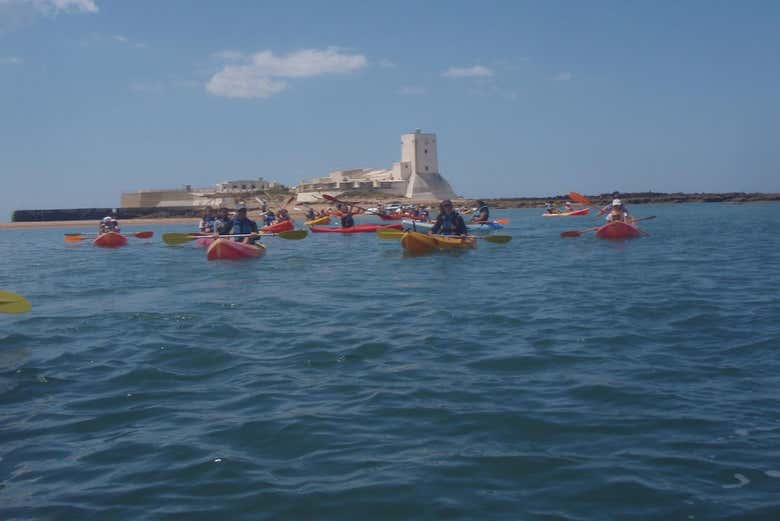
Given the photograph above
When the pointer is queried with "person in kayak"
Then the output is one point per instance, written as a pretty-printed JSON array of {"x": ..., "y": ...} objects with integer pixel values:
[
  {"x": 482, "y": 215},
  {"x": 347, "y": 221},
  {"x": 243, "y": 225},
  {"x": 223, "y": 224},
  {"x": 618, "y": 212},
  {"x": 108, "y": 224},
  {"x": 283, "y": 215},
  {"x": 270, "y": 217},
  {"x": 207, "y": 222},
  {"x": 549, "y": 207},
  {"x": 607, "y": 208},
  {"x": 448, "y": 222},
  {"x": 311, "y": 214},
  {"x": 569, "y": 207}
]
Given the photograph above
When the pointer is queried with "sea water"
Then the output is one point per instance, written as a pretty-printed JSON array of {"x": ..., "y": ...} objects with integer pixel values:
[{"x": 334, "y": 378}]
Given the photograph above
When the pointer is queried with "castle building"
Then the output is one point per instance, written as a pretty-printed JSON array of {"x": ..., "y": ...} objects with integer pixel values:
[{"x": 415, "y": 176}]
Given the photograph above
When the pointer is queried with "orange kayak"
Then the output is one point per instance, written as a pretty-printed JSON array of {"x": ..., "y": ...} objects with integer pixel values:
[
  {"x": 110, "y": 240},
  {"x": 618, "y": 230},
  {"x": 418, "y": 243},
  {"x": 281, "y": 226},
  {"x": 229, "y": 249}
]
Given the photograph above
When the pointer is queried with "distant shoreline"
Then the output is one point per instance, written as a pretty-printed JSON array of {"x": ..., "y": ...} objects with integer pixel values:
[{"x": 494, "y": 202}]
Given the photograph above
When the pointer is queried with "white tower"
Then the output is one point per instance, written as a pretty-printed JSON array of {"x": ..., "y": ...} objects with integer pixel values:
[{"x": 418, "y": 150}]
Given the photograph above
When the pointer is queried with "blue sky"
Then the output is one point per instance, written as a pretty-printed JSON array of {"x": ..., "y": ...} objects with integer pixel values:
[{"x": 527, "y": 98}]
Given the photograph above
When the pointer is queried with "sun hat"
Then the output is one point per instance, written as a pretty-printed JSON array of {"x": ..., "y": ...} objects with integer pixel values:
[{"x": 617, "y": 202}]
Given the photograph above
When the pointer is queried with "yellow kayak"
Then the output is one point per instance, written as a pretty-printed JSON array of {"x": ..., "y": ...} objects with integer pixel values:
[
  {"x": 325, "y": 219},
  {"x": 415, "y": 242}
]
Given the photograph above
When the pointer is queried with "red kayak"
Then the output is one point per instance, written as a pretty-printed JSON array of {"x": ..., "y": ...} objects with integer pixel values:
[
  {"x": 582, "y": 211},
  {"x": 358, "y": 228},
  {"x": 110, "y": 240},
  {"x": 229, "y": 249},
  {"x": 618, "y": 230},
  {"x": 281, "y": 226}
]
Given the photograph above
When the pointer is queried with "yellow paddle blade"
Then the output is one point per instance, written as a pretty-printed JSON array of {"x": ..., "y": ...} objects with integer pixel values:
[
  {"x": 389, "y": 233},
  {"x": 498, "y": 239},
  {"x": 179, "y": 238},
  {"x": 13, "y": 303}
]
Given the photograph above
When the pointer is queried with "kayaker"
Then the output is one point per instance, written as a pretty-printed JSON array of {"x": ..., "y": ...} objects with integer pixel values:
[
  {"x": 311, "y": 214},
  {"x": 207, "y": 222},
  {"x": 549, "y": 207},
  {"x": 223, "y": 224},
  {"x": 283, "y": 215},
  {"x": 618, "y": 212},
  {"x": 569, "y": 207},
  {"x": 448, "y": 222},
  {"x": 243, "y": 225},
  {"x": 270, "y": 217},
  {"x": 608, "y": 207},
  {"x": 347, "y": 221},
  {"x": 482, "y": 215},
  {"x": 108, "y": 224}
]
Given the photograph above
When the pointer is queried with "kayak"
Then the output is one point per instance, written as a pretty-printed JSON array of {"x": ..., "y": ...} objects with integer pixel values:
[
  {"x": 618, "y": 230},
  {"x": 417, "y": 243},
  {"x": 325, "y": 219},
  {"x": 581, "y": 211},
  {"x": 358, "y": 228},
  {"x": 204, "y": 242},
  {"x": 110, "y": 240},
  {"x": 229, "y": 249},
  {"x": 472, "y": 228},
  {"x": 281, "y": 226}
]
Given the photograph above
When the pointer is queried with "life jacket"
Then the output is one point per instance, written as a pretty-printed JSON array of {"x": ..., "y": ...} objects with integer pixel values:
[
  {"x": 222, "y": 225},
  {"x": 449, "y": 223},
  {"x": 243, "y": 226},
  {"x": 269, "y": 218},
  {"x": 207, "y": 222},
  {"x": 347, "y": 221}
]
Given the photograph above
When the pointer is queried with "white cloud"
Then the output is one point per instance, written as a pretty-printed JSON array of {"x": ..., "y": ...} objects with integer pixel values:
[
  {"x": 477, "y": 71},
  {"x": 408, "y": 90},
  {"x": 563, "y": 76},
  {"x": 54, "y": 6},
  {"x": 258, "y": 75},
  {"x": 11, "y": 60},
  {"x": 241, "y": 82}
]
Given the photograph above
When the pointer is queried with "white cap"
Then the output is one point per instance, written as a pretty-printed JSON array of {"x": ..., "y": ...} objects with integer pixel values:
[
  {"x": 107, "y": 219},
  {"x": 617, "y": 202}
]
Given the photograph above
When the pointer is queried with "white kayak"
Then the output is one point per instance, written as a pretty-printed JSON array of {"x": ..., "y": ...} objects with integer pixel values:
[{"x": 473, "y": 229}]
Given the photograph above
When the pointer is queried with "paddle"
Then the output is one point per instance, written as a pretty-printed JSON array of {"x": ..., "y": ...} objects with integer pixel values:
[
  {"x": 391, "y": 233},
  {"x": 577, "y": 233},
  {"x": 181, "y": 238},
  {"x": 13, "y": 303},
  {"x": 75, "y": 237},
  {"x": 585, "y": 201}
]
